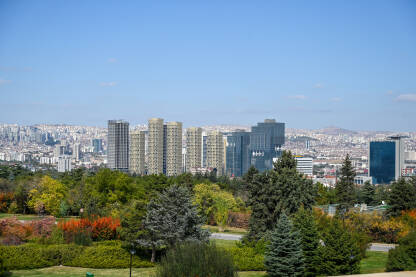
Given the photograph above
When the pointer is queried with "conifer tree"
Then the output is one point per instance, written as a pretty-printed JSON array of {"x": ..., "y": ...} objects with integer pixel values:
[
  {"x": 345, "y": 188},
  {"x": 368, "y": 194},
  {"x": 304, "y": 222},
  {"x": 341, "y": 253},
  {"x": 402, "y": 197},
  {"x": 275, "y": 191},
  {"x": 284, "y": 253}
]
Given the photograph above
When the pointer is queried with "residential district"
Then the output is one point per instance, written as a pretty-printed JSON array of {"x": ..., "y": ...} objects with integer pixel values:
[{"x": 168, "y": 148}]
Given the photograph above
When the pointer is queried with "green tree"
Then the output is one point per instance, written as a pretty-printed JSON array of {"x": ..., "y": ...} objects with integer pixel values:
[
  {"x": 172, "y": 218},
  {"x": 275, "y": 191},
  {"x": 284, "y": 255},
  {"x": 304, "y": 222},
  {"x": 341, "y": 253},
  {"x": 325, "y": 195},
  {"x": 368, "y": 194},
  {"x": 48, "y": 194},
  {"x": 345, "y": 188},
  {"x": 402, "y": 197},
  {"x": 214, "y": 203}
]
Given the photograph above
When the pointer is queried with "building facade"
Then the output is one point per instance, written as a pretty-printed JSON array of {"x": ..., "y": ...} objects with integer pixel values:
[
  {"x": 118, "y": 145},
  {"x": 193, "y": 148},
  {"x": 64, "y": 164},
  {"x": 386, "y": 160},
  {"x": 173, "y": 148},
  {"x": 304, "y": 165},
  {"x": 237, "y": 153},
  {"x": 137, "y": 152},
  {"x": 266, "y": 140},
  {"x": 215, "y": 152},
  {"x": 155, "y": 146}
]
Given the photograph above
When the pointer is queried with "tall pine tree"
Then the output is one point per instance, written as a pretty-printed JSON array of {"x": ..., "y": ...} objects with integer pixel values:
[
  {"x": 402, "y": 197},
  {"x": 345, "y": 188},
  {"x": 275, "y": 191},
  {"x": 284, "y": 253},
  {"x": 304, "y": 222},
  {"x": 341, "y": 253}
]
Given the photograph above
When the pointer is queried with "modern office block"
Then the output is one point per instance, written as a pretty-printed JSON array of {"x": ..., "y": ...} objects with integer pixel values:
[
  {"x": 137, "y": 152},
  {"x": 215, "y": 152},
  {"x": 237, "y": 153},
  {"x": 173, "y": 148},
  {"x": 304, "y": 165},
  {"x": 118, "y": 145},
  {"x": 155, "y": 146},
  {"x": 266, "y": 140},
  {"x": 386, "y": 159},
  {"x": 97, "y": 145},
  {"x": 193, "y": 148}
]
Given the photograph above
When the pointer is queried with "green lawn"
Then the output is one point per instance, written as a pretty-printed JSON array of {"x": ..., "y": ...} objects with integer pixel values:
[
  {"x": 227, "y": 230},
  {"x": 224, "y": 243},
  {"x": 61, "y": 271},
  {"x": 374, "y": 262},
  {"x": 20, "y": 216}
]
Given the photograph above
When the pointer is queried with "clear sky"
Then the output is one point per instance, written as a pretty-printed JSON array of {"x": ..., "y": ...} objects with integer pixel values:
[{"x": 310, "y": 64}]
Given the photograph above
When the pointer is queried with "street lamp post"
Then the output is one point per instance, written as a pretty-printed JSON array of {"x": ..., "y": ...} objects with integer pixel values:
[{"x": 132, "y": 252}]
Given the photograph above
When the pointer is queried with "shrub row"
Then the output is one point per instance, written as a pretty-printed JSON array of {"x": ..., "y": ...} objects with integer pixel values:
[
  {"x": 247, "y": 258},
  {"x": 100, "y": 255}
]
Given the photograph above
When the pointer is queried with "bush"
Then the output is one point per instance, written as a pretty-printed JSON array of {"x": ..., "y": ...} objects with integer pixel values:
[
  {"x": 196, "y": 259},
  {"x": 247, "y": 258},
  {"x": 100, "y": 255},
  {"x": 107, "y": 256},
  {"x": 105, "y": 228},
  {"x": 403, "y": 257}
]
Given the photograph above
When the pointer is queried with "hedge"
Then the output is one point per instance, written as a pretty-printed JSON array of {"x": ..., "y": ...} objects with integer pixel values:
[
  {"x": 247, "y": 258},
  {"x": 103, "y": 255}
]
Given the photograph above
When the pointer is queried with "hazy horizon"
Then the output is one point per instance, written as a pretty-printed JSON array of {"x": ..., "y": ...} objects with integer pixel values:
[{"x": 310, "y": 64}]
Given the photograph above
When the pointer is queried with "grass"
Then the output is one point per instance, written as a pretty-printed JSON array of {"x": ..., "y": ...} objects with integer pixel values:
[
  {"x": 20, "y": 216},
  {"x": 66, "y": 271},
  {"x": 227, "y": 230},
  {"x": 224, "y": 243},
  {"x": 375, "y": 262}
]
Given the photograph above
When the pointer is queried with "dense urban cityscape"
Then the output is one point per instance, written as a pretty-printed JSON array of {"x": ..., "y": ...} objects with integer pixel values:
[{"x": 168, "y": 148}]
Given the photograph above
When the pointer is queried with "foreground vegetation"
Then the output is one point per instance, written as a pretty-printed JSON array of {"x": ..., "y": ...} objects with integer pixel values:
[{"x": 374, "y": 263}]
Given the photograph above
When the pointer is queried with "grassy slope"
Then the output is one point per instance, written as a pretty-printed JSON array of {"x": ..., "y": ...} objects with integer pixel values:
[{"x": 374, "y": 262}]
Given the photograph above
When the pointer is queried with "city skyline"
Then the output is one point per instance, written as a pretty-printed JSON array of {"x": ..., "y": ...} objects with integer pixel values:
[{"x": 303, "y": 63}]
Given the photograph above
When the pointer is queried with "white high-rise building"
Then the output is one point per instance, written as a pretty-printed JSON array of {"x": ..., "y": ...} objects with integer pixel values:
[
  {"x": 76, "y": 152},
  {"x": 118, "y": 145},
  {"x": 64, "y": 164},
  {"x": 215, "y": 151},
  {"x": 173, "y": 145},
  {"x": 155, "y": 146},
  {"x": 304, "y": 165},
  {"x": 193, "y": 148},
  {"x": 137, "y": 152}
]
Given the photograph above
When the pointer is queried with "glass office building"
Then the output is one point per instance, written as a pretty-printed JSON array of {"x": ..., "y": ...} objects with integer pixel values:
[
  {"x": 266, "y": 140},
  {"x": 237, "y": 153},
  {"x": 382, "y": 161}
]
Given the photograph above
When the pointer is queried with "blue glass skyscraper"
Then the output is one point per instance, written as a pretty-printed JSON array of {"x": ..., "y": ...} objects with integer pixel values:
[
  {"x": 266, "y": 140},
  {"x": 386, "y": 160},
  {"x": 237, "y": 153}
]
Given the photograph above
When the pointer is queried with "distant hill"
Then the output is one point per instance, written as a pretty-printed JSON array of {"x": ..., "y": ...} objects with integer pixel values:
[{"x": 333, "y": 131}]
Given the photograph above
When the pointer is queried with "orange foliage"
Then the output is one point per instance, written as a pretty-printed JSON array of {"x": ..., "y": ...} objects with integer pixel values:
[
  {"x": 102, "y": 228},
  {"x": 105, "y": 228},
  {"x": 14, "y": 232},
  {"x": 6, "y": 199}
]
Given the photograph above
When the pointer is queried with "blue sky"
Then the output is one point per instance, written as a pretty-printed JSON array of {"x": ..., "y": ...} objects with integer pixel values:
[{"x": 310, "y": 64}]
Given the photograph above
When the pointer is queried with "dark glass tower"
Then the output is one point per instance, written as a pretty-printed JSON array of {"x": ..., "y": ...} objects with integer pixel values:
[
  {"x": 118, "y": 145},
  {"x": 266, "y": 140},
  {"x": 384, "y": 158},
  {"x": 237, "y": 153}
]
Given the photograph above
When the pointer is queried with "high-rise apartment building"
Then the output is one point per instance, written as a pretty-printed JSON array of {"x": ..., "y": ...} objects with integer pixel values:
[
  {"x": 386, "y": 159},
  {"x": 173, "y": 148},
  {"x": 266, "y": 140},
  {"x": 118, "y": 145},
  {"x": 238, "y": 153},
  {"x": 215, "y": 151},
  {"x": 155, "y": 146},
  {"x": 137, "y": 152},
  {"x": 76, "y": 151},
  {"x": 193, "y": 148},
  {"x": 64, "y": 164}
]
